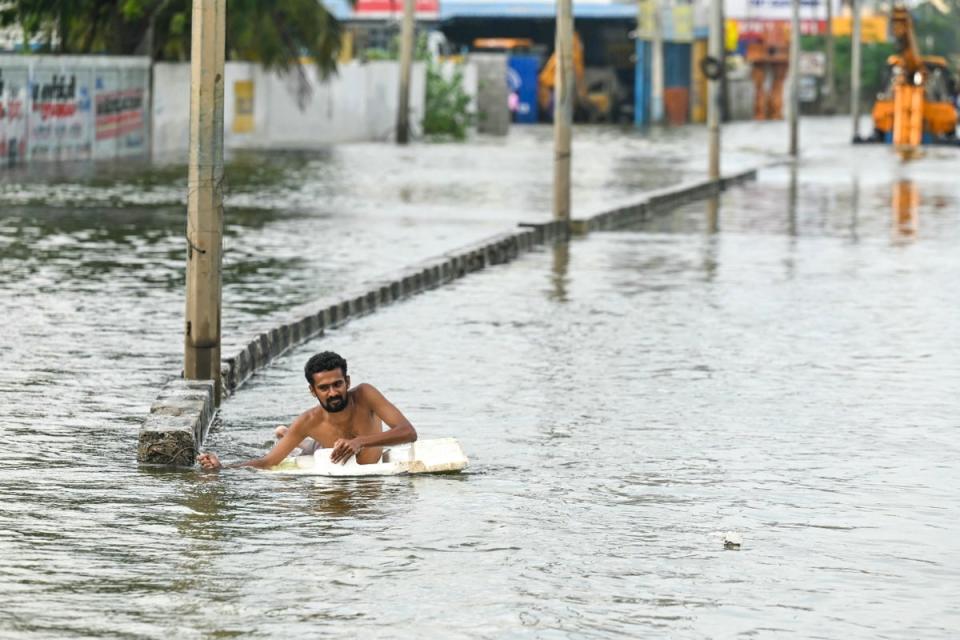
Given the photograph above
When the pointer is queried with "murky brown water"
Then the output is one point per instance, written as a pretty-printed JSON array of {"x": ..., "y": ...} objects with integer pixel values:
[{"x": 792, "y": 377}]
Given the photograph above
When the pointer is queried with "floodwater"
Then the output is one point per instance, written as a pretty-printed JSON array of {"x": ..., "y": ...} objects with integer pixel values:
[{"x": 786, "y": 368}]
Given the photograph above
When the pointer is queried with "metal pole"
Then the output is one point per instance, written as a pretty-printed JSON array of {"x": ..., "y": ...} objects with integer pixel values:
[
  {"x": 656, "y": 66},
  {"x": 563, "y": 96},
  {"x": 205, "y": 195},
  {"x": 715, "y": 51},
  {"x": 831, "y": 83},
  {"x": 794, "y": 74},
  {"x": 406, "y": 63},
  {"x": 855, "y": 37}
]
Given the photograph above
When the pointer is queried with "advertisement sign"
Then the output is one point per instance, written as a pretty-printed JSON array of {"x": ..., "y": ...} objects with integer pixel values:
[
  {"x": 13, "y": 115},
  {"x": 119, "y": 108},
  {"x": 60, "y": 105},
  {"x": 872, "y": 28},
  {"x": 56, "y": 108},
  {"x": 425, "y": 9},
  {"x": 243, "y": 106},
  {"x": 676, "y": 22},
  {"x": 779, "y": 9}
]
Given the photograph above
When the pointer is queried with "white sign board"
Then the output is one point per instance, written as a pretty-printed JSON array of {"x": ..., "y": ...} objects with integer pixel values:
[{"x": 778, "y": 9}]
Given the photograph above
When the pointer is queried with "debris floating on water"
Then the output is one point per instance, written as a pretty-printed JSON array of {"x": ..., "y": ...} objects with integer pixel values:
[{"x": 732, "y": 539}]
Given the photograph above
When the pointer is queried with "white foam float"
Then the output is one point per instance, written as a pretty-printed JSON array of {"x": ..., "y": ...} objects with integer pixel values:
[{"x": 440, "y": 455}]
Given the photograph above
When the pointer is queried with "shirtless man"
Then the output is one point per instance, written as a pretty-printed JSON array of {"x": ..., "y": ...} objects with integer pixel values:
[{"x": 350, "y": 421}]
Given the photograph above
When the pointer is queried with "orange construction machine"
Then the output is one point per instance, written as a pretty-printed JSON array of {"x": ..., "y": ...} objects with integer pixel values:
[
  {"x": 769, "y": 61},
  {"x": 917, "y": 104},
  {"x": 599, "y": 95}
]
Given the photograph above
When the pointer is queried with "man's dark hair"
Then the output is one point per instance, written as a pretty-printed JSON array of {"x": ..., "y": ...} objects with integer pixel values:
[{"x": 324, "y": 361}]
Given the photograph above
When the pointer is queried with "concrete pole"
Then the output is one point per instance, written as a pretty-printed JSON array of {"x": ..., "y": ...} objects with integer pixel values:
[
  {"x": 563, "y": 96},
  {"x": 656, "y": 66},
  {"x": 406, "y": 63},
  {"x": 831, "y": 88},
  {"x": 724, "y": 88},
  {"x": 855, "y": 37},
  {"x": 715, "y": 51},
  {"x": 794, "y": 74},
  {"x": 205, "y": 195}
]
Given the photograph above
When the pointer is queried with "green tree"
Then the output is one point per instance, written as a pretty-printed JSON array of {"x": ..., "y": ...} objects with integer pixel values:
[
  {"x": 275, "y": 33},
  {"x": 446, "y": 112},
  {"x": 938, "y": 33}
]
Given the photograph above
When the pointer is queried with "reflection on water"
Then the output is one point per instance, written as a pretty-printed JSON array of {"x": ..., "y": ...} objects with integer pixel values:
[
  {"x": 561, "y": 264},
  {"x": 713, "y": 214},
  {"x": 355, "y": 498},
  {"x": 906, "y": 208}
]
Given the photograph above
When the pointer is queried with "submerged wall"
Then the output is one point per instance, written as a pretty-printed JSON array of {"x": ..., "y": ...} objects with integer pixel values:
[{"x": 55, "y": 108}]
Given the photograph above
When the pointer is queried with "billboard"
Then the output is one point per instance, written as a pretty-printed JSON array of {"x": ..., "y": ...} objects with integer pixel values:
[
  {"x": 779, "y": 9},
  {"x": 58, "y": 108}
]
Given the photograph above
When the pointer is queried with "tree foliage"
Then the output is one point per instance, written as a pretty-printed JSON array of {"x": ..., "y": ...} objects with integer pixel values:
[
  {"x": 275, "y": 33},
  {"x": 447, "y": 110}
]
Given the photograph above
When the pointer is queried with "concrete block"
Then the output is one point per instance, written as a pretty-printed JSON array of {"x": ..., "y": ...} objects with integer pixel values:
[
  {"x": 493, "y": 113},
  {"x": 332, "y": 315},
  {"x": 173, "y": 432},
  {"x": 358, "y": 305}
]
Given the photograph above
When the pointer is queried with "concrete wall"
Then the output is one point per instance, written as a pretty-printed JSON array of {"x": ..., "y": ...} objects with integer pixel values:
[
  {"x": 264, "y": 109},
  {"x": 55, "y": 108}
]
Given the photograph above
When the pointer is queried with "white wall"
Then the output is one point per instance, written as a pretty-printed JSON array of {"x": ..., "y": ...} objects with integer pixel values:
[
  {"x": 358, "y": 103},
  {"x": 55, "y": 108}
]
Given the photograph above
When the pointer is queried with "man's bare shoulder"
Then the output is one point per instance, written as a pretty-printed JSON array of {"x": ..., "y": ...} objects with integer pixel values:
[
  {"x": 366, "y": 393},
  {"x": 308, "y": 418}
]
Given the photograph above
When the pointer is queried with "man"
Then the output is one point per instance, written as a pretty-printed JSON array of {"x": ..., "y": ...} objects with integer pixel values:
[{"x": 350, "y": 421}]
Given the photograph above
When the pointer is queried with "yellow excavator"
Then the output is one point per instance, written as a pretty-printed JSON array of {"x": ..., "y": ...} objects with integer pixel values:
[
  {"x": 597, "y": 89},
  {"x": 918, "y": 102}
]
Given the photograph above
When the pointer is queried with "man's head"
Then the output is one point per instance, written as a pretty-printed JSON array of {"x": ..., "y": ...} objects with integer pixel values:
[{"x": 326, "y": 373}]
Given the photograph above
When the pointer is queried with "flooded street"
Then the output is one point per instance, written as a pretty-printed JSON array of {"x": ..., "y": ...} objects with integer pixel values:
[{"x": 786, "y": 369}]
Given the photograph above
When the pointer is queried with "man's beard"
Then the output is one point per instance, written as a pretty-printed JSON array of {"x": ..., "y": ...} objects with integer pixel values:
[{"x": 335, "y": 405}]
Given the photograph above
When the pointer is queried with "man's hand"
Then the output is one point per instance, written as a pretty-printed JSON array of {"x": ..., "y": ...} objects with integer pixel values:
[
  {"x": 209, "y": 461},
  {"x": 343, "y": 449}
]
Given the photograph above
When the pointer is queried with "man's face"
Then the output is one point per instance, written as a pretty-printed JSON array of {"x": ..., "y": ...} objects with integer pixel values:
[{"x": 330, "y": 388}]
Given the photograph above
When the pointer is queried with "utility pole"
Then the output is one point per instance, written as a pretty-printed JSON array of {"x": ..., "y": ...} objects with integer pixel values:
[
  {"x": 406, "y": 63},
  {"x": 831, "y": 84},
  {"x": 794, "y": 74},
  {"x": 656, "y": 66},
  {"x": 563, "y": 96},
  {"x": 724, "y": 87},
  {"x": 205, "y": 195},
  {"x": 715, "y": 51},
  {"x": 855, "y": 69}
]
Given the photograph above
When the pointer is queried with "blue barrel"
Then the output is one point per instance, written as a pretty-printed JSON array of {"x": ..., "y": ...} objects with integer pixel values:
[{"x": 522, "y": 74}]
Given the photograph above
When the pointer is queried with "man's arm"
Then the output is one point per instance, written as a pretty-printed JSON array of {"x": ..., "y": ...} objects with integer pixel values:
[
  {"x": 294, "y": 436},
  {"x": 400, "y": 431}
]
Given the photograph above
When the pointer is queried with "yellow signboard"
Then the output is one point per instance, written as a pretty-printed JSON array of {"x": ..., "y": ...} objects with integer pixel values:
[
  {"x": 872, "y": 28},
  {"x": 676, "y": 23},
  {"x": 731, "y": 34},
  {"x": 243, "y": 106}
]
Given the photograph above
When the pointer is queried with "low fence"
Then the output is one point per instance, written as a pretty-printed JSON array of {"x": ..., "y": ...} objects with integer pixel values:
[{"x": 55, "y": 108}]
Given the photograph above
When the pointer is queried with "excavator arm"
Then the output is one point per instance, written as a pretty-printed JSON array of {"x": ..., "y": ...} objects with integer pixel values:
[
  {"x": 547, "y": 77},
  {"x": 901, "y": 24}
]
